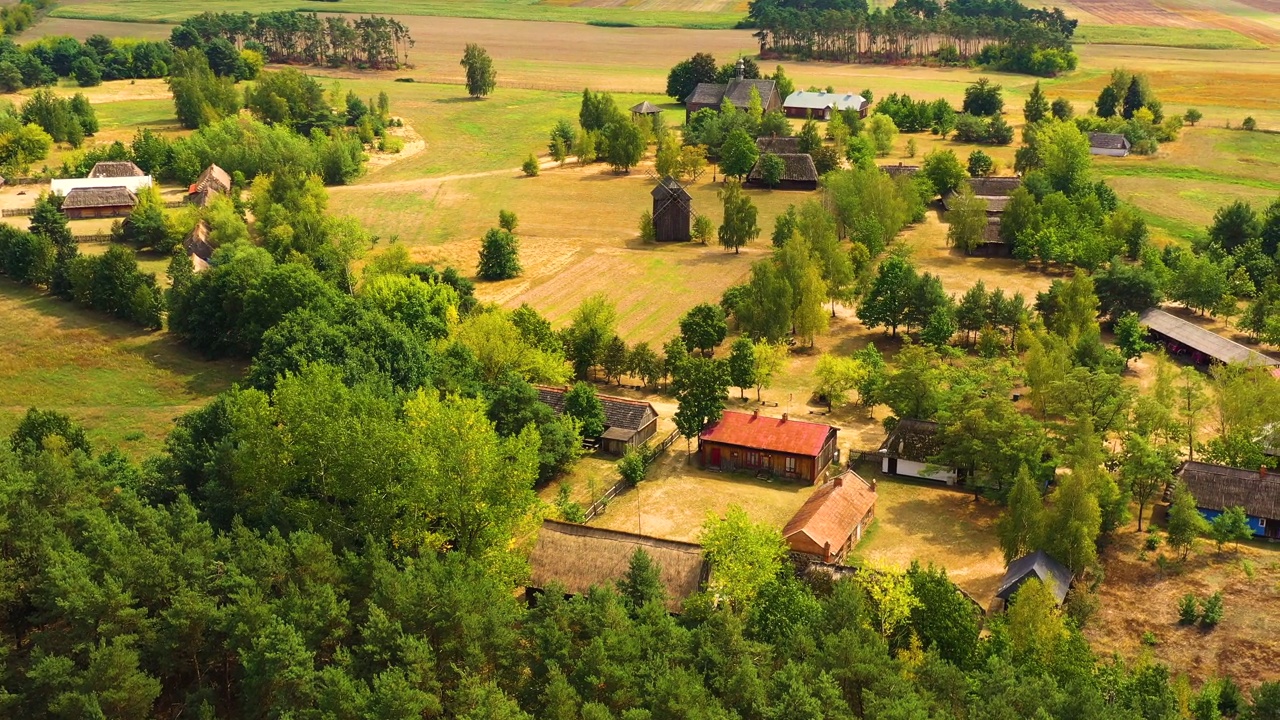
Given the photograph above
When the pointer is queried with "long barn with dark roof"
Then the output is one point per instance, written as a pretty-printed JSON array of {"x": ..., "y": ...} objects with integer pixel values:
[
  {"x": 798, "y": 172},
  {"x": 1183, "y": 337},
  {"x": 627, "y": 423}
]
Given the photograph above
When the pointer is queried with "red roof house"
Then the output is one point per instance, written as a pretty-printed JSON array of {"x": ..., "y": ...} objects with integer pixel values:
[
  {"x": 833, "y": 519},
  {"x": 777, "y": 446}
]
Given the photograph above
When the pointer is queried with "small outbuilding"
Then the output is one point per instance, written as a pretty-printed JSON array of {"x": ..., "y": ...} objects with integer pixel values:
[
  {"x": 577, "y": 558},
  {"x": 831, "y": 522},
  {"x": 1110, "y": 144},
  {"x": 821, "y": 104},
  {"x": 995, "y": 190},
  {"x": 1218, "y": 487},
  {"x": 672, "y": 212},
  {"x": 780, "y": 447},
  {"x": 1182, "y": 337},
  {"x": 213, "y": 181},
  {"x": 645, "y": 109},
  {"x": 798, "y": 172},
  {"x": 102, "y": 202},
  {"x": 115, "y": 169},
  {"x": 907, "y": 450},
  {"x": 1040, "y": 565},
  {"x": 627, "y": 423}
]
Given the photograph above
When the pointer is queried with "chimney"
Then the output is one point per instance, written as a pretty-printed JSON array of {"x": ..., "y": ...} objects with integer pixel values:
[
  {"x": 742, "y": 68},
  {"x": 785, "y": 417},
  {"x": 826, "y": 551},
  {"x": 755, "y": 414},
  {"x": 1262, "y": 472},
  {"x": 839, "y": 481}
]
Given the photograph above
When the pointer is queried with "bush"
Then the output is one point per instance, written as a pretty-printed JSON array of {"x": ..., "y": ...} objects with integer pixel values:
[
  {"x": 1152, "y": 543},
  {"x": 1211, "y": 613},
  {"x": 390, "y": 144},
  {"x": 530, "y": 166},
  {"x": 1249, "y": 124},
  {"x": 647, "y": 232},
  {"x": 1188, "y": 609},
  {"x": 1149, "y": 638}
]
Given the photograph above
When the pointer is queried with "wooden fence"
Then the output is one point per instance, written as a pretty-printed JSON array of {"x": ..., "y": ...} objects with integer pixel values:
[
  {"x": 17, "y": 212},
  {"x": 621, "y": 485},
  {"x": 92, "y": 239}
]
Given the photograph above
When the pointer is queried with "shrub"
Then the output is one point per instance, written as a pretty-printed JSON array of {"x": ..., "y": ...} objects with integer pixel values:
[
  {"x": 1149, "y": 638},
  {"x": 1211, "y": 608},
  {"x": 647, "y": 232},
  {"x": 1152, "y": 543},
  {"x": 1249, "y": 124},
  {"x": 570, "y": 511},
  {"x": 390, "y": 144},
  {"x": 1188, "y": 609},
  {"x": 530, "y": 166}
]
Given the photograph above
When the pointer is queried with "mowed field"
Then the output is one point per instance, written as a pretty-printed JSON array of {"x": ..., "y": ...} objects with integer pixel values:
[{"x": 126, "y": 386}]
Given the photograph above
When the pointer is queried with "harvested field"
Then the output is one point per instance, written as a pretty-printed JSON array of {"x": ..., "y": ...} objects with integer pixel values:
[
  {"x": 1135, "y": 12},
  {"x": 1138, "y": 597}
]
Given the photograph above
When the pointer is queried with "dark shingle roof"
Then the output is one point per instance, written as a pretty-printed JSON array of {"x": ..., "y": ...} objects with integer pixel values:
[
  {"x": 737, "y": 91},
  {"x": 579, "y": 558},
  {"x": 1108, "y": 141},
  {"x": 646, "y": 108},
  {"x": 670, "y": 186},
  {"x": 1055, "y": 576},
  {"x": 99, "y": 197},
  {"x": 778, "y": 145},
  {"x": 115, "y": 169},
  {"x": 798, "y": 167},
  {"x": 619, "y": 413},
  {"x": 1217, "y": 487},
  {"x": 914, "y": 440},
  {"x": 1197, "y": 338},
  {"x": 706, "y": 94}
]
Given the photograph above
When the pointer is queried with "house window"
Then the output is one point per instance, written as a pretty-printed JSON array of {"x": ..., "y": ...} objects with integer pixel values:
[
  {"x": 791, "y": 464},
  {"x": 1262, "y": 522},
  {"x": 753, "y": 459}
]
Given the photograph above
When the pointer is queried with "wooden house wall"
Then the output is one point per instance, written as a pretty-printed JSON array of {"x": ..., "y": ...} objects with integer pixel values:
[{"x": 671, "y": 222}]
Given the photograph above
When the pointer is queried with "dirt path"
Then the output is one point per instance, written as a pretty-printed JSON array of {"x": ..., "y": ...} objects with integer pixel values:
[{"x": 430, "y": 183}]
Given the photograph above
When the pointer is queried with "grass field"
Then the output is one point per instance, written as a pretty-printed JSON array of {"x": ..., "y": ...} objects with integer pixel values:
[
  {"x": 1138, "y": 597},
  {"x": 1195, "y": 38},
  {"x": 125, "y": 385}
]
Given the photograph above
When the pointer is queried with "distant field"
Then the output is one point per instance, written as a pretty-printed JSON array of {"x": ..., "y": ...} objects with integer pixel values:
[
  {"x": 1195, "y": 38},
  {"x": 647, "y": 13},
  {"x": 125, "y": 385}
]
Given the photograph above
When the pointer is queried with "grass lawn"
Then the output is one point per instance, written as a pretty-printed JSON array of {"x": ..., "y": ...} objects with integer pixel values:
[
  {"x": 1138, "y": 596},
  {"x": 934, "y": 524},
  {"x": 124, "y": 385}
]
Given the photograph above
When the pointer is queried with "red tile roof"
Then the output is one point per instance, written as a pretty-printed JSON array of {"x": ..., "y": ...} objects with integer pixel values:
[
  {"x": 830, "y": 514},
  {"x": 758, "y": 432}
]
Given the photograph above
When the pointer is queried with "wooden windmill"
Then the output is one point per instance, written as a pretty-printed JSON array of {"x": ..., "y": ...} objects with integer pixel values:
[{"x": 672, "y": 212}]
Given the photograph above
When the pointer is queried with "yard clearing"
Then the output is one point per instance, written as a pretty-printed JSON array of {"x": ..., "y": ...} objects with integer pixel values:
[
  {"x": 125, "y": 385},
  {"x": 1138, "y": 597}
]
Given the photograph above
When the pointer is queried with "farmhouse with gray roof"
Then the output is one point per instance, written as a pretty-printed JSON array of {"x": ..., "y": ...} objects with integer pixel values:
[
  {"x": 1218, "y": 487},
  {"x": 737, "y": 91}
]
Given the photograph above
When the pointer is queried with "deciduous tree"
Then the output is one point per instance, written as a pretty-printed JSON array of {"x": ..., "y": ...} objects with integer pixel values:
[
  {"x": 481, "y": 76},
  {"x": 740, "y": 224}
]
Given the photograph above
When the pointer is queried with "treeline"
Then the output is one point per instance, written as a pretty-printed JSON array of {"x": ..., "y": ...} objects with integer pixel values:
[
  {"x": 1000, "y": 34},
  {"x": 290, "y": 36},
  {"x": 21, "y": 15},
  {"x": 99, "y": 58}
]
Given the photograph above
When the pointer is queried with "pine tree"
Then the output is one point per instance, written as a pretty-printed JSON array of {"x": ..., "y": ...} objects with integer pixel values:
[
  {"x": 1021, "y": 526},
  {"x": 1037, "y": 106},
  {"x": 742, "y": 364},
  {"x": 642, "y": 584}
]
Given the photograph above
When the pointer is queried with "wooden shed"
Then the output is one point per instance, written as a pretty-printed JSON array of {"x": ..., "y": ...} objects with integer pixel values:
[
  {"x": 98, "y": 202},
  {"x": 672, "y": 212},
  {"x": 577, "y": 558},
  {"x": 780, "y": 447},
  {"x": 627, "y": 423},
  {"x": 995, "y": 190}
]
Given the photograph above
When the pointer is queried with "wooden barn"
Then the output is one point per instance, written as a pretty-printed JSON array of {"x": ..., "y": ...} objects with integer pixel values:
[
  {"x": 780, "y": 447},
  {"x": 799, "y": 173},
  {"x": 907, "y": 451},
  {"x": 1218, "y": 487},
  {"x": 627, "y": 423},
  {"x": 213, "y": 181},
  {"x": 101, "y": 202},
  {"x": 831, "y": 522},
  {"x": 737, "y": 91},
  {"x": 576, "y": 558},
  {"x": 1041, "y": 566},
  {"x": 995, "y": 190},
  {"x": 992, "y": 245},
  {"x": 1202, "y": 347},
  {"x": 672, "y": 212},
  {"x": 115, "y": 169}
]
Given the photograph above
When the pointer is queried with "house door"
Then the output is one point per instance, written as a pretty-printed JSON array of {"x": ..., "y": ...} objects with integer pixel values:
[
  {"x": 893, "y": 466},
  {"x": 715, "y": 457}
]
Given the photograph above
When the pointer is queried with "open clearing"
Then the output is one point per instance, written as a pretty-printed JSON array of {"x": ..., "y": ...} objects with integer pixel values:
[
  {"x": 124, "y": 385},
  {"x": 1137, "y": 597}
]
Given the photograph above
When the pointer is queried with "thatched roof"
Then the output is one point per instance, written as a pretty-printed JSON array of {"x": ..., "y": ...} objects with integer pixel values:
[
  {"x": 1108, "y": 141},
  {"x": 646, "y": 108},
  {"x": 115, "y": 169},
  {"x": 1197, "y": 338},
  {"x": 99, "y": 197},
  {"x": 197, "y": 241},
  {"x": 797, "y": 167},
  {"x": 829, "y": 516},
  {"x": 995, "y": 190},
  {"x": 759, "y": 432},
  {"x": 914, "y": 440},
  {"x": 894, "y": 171},
  {"x": 1055, "y": 576},
  {"x": 778, "y": 145},
  {"x": 213, "y": 178},
  {"x": 579, "y": 558},
  {"x": 622, "y": 417},
  {"x": 198, "y": 264},
  {"x": 1217, "y": 487}
]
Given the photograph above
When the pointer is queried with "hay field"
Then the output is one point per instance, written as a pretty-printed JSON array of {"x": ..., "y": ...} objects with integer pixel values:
[{"x": 124, "y": 385}]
